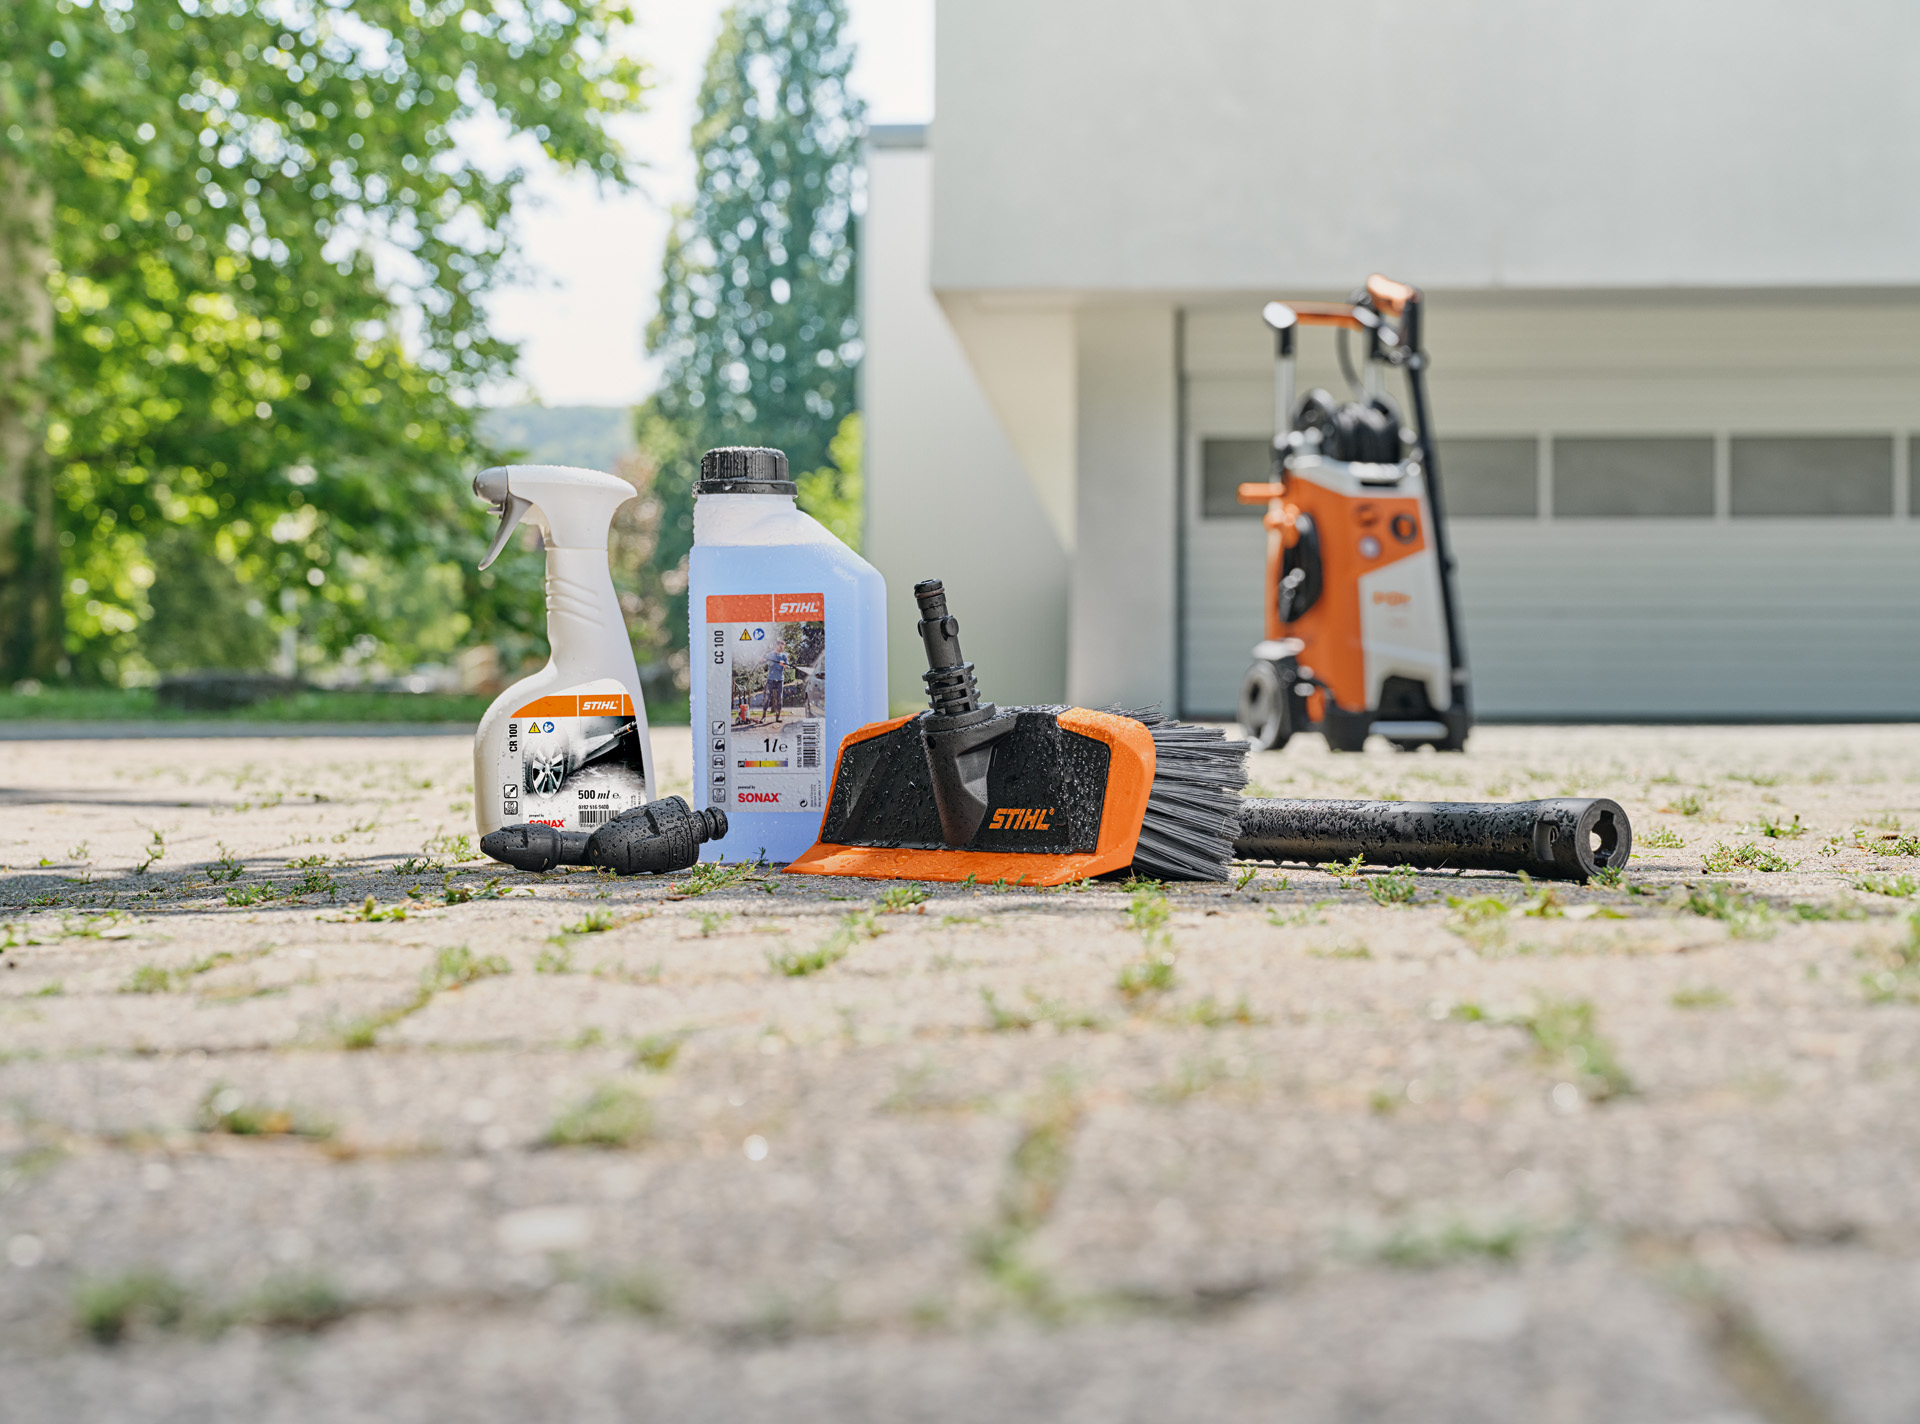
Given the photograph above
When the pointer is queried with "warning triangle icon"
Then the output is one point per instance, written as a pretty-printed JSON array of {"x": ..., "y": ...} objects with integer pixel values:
[{"x": 745, "y": 636}]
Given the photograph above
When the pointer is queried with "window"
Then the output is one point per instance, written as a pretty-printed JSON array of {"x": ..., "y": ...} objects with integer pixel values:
[
  {"x": 1812, "y": 474},
  {"x": 1225, "y": 465},
  {"x": 1632, "y": 476},
  {"x": 1491, "y": 478}
]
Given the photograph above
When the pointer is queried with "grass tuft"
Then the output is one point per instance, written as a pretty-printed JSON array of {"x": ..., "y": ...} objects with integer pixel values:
[
  {"x": 710, "y": 875},
  {"x": 612, "y": 1116},
  {"x": 1702, "y": 997},
  {"x": 1724, "y": 859},
  {"x": 228, "y": 1110},
  {"x": 109, "y": 1309},
  {"x": 1397, "y": 887},
  {"x": 1899, "y": 886}
]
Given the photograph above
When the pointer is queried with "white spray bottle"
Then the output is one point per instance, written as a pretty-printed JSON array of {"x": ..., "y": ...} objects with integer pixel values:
[{"x": 568, "y": 746}]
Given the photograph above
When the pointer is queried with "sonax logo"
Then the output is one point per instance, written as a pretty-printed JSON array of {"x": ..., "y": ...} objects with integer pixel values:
[
  {"x": 1393, "y": 598},
  {"x": 541, "y": 821},
  {"x": 1021, "y": 818},
  {"x": 748, "y": 798}
]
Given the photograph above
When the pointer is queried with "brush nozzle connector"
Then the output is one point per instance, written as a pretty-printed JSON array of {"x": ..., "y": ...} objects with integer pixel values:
[{"x": 951, "y": 689}]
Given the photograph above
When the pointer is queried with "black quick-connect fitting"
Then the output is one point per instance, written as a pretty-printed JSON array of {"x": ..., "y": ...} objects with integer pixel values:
[
  {"x": 1564, "y": 838},
  {"x": 951, "y": 689},
  {"x": 661, "y": 836},
  {"x": 960, "y": 730}
]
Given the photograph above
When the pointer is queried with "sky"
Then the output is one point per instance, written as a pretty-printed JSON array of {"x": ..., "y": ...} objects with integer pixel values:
[{"x": 594, "y": 260}]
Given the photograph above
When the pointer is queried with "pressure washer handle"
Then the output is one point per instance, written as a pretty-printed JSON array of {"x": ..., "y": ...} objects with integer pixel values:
[{"x": 1563, "y": 838}]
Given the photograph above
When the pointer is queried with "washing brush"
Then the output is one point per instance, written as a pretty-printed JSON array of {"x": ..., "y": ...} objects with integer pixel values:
[{"x": 1029, "y": 795}]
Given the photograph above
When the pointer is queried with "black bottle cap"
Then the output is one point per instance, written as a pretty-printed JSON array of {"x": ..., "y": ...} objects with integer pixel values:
[{"x": 744, "y": 469}]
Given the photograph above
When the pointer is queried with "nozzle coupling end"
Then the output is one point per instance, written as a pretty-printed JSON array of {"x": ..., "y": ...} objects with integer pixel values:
[
  {"x": 661, "y": 836},
  {"x": 951, "y": 689}
]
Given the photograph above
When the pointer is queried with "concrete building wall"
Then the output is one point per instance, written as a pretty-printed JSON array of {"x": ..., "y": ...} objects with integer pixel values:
[
  {"x": 947, "y": 497},
  {"x": 1121, "y": 646},
  {"x": 1149, "y": 145}
]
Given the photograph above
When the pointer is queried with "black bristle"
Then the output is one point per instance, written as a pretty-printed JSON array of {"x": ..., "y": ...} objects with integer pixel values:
[{"x": 1193, "y": 811}]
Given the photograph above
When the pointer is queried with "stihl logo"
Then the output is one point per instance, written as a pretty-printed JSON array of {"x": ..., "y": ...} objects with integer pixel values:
[
  {"x": 748, "y": 797},
  {"x": 1017, "y": 818},
  {"x": 599, "y": 704},
  {"x": 791, "y": 607},
  {"x": 1392, "y": 599}
]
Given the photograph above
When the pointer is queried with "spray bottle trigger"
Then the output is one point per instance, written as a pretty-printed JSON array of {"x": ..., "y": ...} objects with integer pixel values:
[
  {"x": 511, "y": 512},
  {"x": 491, "y": 485}
]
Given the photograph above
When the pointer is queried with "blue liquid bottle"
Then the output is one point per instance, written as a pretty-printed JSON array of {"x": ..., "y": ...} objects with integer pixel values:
[{"x": 787, "y": 632}]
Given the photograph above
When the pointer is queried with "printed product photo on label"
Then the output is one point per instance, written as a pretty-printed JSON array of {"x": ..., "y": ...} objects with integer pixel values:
[
  {"x": 573, "y": 760},
  {"x": 766, "y": 666}
]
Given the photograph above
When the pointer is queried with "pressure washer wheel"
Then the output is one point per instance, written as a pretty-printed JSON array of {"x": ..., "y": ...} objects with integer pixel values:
[{"x": 1265, "y": 711}]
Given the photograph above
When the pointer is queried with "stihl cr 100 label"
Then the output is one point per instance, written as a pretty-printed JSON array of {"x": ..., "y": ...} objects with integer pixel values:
[
  {"x": 763, "y": 742},
  {"x": 573, "y": 759}
]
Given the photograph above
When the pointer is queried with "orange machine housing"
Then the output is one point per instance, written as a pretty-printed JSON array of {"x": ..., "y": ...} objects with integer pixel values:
[{"x": 1329, "y": 632}]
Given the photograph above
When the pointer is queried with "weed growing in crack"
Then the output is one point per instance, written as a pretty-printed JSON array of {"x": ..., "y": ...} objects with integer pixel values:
[
  {"x": 244, "y": 895},
  {"x": 1061, "y": 1017},
  {"x": 108, "y": 1310},
  {"x": 315, "y": 882},
  {"x": 1152, "y": 975},
  {"x": 1826, "y": 910},
  {"x": 1746, "y": 917},
  {"x": 226, "y": 1109},
  {"x": 1344, "y": 870},
  {"x": 903, "y": 898},
  {"x": 555, "y": 960},
  {"x": 710, "y": 875},
  {"x": 1397, "y": 887},
  {"x": 1724, "y": 859},
  {"x": 1567, "y": 1039},
  {"x": 1661, "y": 838},
  {"x": 458, "y": 966},
  {"x": 227, "y": 867},
  {"x": 149, "y": 979},
  {"x": 1211, "y": 1013},
  {"x": 1428, "y": 1246},
  {"x": 1301, "y": 915},
  {"x": 1704, "y": 996},
  {"x": 449, "y": 846},
  {"x": 1898, "y": 886},
  {"x": 614, "y": 1115},
  {"x": 1036, "y": 1171},
  {"x": 656, "y": 1051},
  {"x": 1898, "y": 980}
]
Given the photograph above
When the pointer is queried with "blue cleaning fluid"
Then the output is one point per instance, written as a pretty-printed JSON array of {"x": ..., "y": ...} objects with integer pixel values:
[{"x": 787, "y": 631}]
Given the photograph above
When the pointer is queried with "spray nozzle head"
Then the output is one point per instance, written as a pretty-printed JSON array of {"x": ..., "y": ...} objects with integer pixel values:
[{"x": 573, "y": 507}]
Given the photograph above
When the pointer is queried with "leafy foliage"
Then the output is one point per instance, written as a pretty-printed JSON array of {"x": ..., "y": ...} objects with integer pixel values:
[
  {"x": 267, "y": 261},
  {"x": 757, "y": 327}
]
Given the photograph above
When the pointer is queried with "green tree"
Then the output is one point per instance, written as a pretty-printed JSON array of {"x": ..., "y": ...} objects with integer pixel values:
[
  {"x": 757, "y": 324},
  {"x": 836, "y": 494},
  {"x": 242, "y": 260}
]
